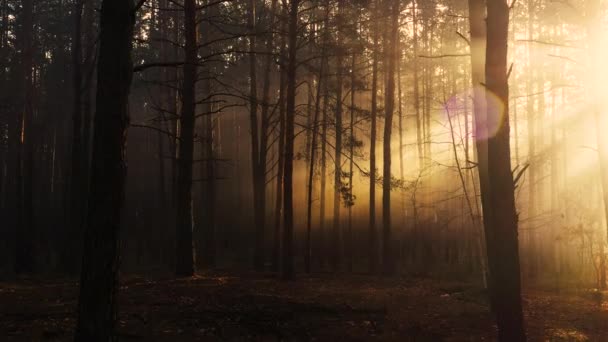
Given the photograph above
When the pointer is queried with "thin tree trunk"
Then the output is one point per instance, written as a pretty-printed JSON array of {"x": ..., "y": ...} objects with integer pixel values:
[
  {"x": 311, "y": 168},
  {"x": 258, "y": 176},
  {"x": 89, "y": 67},
  {"x": 73, "y": 246},
  {"x": 208, "y": 239},
  {"x": 351, "y": 150},
  {"x": 388, "y": 264},
  {"x": 25, "y": 247},
  {"x": 478, "y": 46},
  {"x": 532, "y": 170},
  {"x": 419, "y": 134},
  {"x": 281, "y": 152},
  {"x": 288, "y": 257},
  {"x": 184, "y": 249},
  {"x": 323, "y": 190},
  {"x": 593, "y": 33},
  {"x": 373, "y": 235},
  {"x": 336, "y": 231}
]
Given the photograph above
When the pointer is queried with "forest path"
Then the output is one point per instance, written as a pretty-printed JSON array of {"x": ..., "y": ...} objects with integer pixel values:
[{"x": 322, "y": 307}]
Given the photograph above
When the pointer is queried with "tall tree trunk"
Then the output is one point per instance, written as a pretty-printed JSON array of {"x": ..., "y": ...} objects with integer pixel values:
[
  {"x": 73, "y": 247},
  {"x": 207, "y": 238},
  {"x": 184, "y": 251},
  {"x": 99, "y": 278},
  {"x": 258, "y": 173},
  {"x": 263, "y": 148},
  {"x": 25, "y": 247},
  {"x": 164, "y": 100},
  {"x": 351, "y": 152},
  {"x": 427, "y": 89},
  {"x": 13, "y": 166},
  {"x": 208, "y": 244},
  {"x": 594, "y": 30},
  {"x": 89, "y": 67},
  {"x": 311, "y": 167},
  {"x": 288, "y": 257},
  {"x": 276, "y": 250},
  {"x": 323, "y": 175},
  {"x": 401, "y": 135},
  {"x": 478, "y": 45},
  {"x": 373, "y": 235},
  {"x": 388, "y": 263},
  {"x": 5, "y": 153},
  {"x": 336, "y": 231},
  {"x": 532, "y": 170},
  {"x": 419, "y": 134},
  {"x": 501, "y": 231}
]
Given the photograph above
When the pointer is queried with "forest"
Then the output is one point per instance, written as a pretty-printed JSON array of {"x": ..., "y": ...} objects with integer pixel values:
[{"x": 303, "y": 170}]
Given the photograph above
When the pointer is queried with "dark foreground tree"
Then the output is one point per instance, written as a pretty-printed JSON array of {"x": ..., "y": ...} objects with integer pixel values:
[
  {"x": 184, "y": 254},
  {"x": 99, "y": 278},
  {"x": 501, "y": 226}
]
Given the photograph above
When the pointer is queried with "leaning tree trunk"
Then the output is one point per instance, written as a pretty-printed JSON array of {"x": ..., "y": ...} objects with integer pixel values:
[
  {"x": 288, "y": 257},
  {"x": 99, "y": 278},
  {"x": 184, "y": 253},
  {"x": 501, "y": 230}
]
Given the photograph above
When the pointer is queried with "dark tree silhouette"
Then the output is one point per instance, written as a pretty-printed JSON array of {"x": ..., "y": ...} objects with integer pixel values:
[
  {"x": 184, "y": 249},
  {"x": 501, "y": 227},
  {"x": 99, "y": 277}
]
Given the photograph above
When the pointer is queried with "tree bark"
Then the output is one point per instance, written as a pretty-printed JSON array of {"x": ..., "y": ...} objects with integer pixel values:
[
  {"x": 25, "y": 235},
  {"x": 388, "y": 263},
  {"x": 478, "y": 46},
  {"x": 595, "y": 43},
  {"x": 258, "y": 170},
  {"x": 99, "y": 279},
  {"x": 73, "y": 247},
  {"x": 207, "y": 229},
  {"x": 336, "y": 231},
  {"x": 184, "y": 251},
  {"x": 323, "y": 156},
  {"x": 501, "y": 231},
  {"x": 373, "y": 235},
  {"x": 351, "y": 152},
  {"x": 419, "y": 126},
  {"x": 276, "y": 251},
  {"x": 288, "y": 257},
  {"x": 313, "y": 148}
]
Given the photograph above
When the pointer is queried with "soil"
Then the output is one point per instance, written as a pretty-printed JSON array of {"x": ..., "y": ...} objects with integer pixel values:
[{"x": 321, "y": 307}]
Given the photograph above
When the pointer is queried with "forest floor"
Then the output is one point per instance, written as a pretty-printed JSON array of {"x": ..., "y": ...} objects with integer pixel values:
[{"x": 323, "y": 307}]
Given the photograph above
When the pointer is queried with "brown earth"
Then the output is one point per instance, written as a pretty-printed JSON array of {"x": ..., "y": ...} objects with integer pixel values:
[{"x": 227, "y": 307}]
